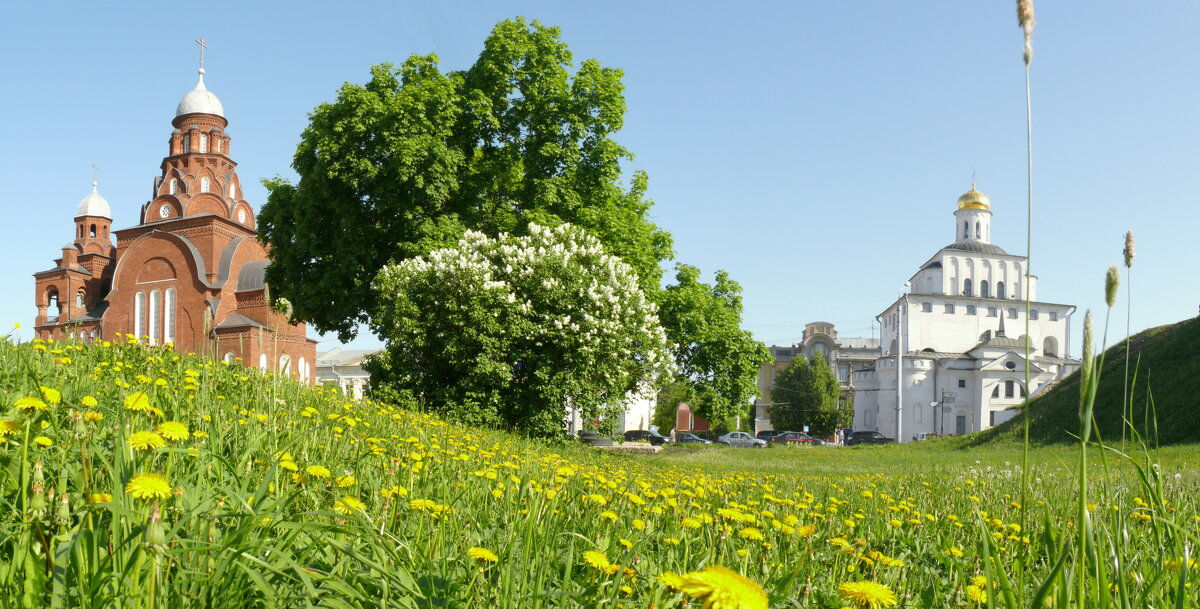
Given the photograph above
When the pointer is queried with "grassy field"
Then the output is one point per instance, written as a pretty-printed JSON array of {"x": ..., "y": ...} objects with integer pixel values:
[{"x": 134, "y": 477}]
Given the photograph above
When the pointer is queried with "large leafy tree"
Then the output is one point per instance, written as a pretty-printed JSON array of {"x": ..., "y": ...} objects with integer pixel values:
[
  {"x": 406, "y": 163},
  {"x": 514, "y": 330},
  {"x": 806, "y": 392},
  {"x": 719, "y": 359}
]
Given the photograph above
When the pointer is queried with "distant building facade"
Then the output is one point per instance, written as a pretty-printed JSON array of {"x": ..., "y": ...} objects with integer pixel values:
[
  {"x": 845, "y": 355},
  {"x": 961, "y": 330},
  {"x": 343, "y": 368}
]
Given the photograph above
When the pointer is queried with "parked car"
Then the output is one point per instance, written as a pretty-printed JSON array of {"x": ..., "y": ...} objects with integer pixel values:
[
  {"x": 868, "y": 437},
  {"x": 767, "y": 435},
  {"x": 690, "y": 438},
  {"x": 645, "y": 435},
  {"x": 741, "y": 438},
  {"x": 789, "y": 438}
]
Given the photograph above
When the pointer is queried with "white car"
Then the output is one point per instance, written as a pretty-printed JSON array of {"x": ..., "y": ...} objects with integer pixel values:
[{"x": 741, "y": 438}]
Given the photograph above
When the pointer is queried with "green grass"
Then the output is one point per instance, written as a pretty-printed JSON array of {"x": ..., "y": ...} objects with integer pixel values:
[
  {"x": 249, "y": 520},
  {"x": 1167, "y": 363}
]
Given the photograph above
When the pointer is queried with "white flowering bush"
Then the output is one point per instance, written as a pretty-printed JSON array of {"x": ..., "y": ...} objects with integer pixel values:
[{"x": 511, "y": 331}]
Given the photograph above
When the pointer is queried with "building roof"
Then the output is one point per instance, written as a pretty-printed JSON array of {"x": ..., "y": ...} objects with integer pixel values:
[
  {"x": 855, "y": 342},
  {"x": 237, "y": 320},
  {"x": 343, "y": 357},
  {"x": 200, "y": 101},
  {"x": 252, "y": 276},
  {"x": 975, "y": 247},
  {"x": 94, "y": 205}
]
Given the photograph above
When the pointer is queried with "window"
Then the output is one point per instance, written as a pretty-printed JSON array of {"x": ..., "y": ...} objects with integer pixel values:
[
  {"x": 1053, "y": 315},
  {"x": 950, "y": 308},
  {"x": 1008, "y": 389},
  {"x": 926, "y": 307},
  {"x": 228, "y": 359},
  {"x": 967, "y": 287},
  {"x": 187, "y": 144},
  {"x": 232, "y": 190},
  {"x": 302, "y": 369},
  {"x": 139, "y": 308},
  {"x": 262, "y": 361},
  {"x": 79, "y": 298},
  {"x": 977, "y": 233},
  {"x": 1033, "y": 314},
  {"x": 174, "y": 186},
  {"x": 999, "y": 289},
  {"x": 1012, "y": 312},
  {"x": 970, "y": 309},
  {"x": 217, "y": 143},
  {"x": 992, "y": 418},
  {"x": 966, "y": 230},
  {"x": 155, "y": 315},
  {"x": 991, "y": 311},
  {"x": 204, "y": 182},
  {"x": 1050, "y": 346},
  {"x": 203, "y": 142},
  {"x": 962, "y": 383},
  {"x": 983, "y": 289},
  {"x": 285, "y": 365},
  {"x": 169, "y": 316},
  {"x": 92, "y": 233},
  {"x": 996, "y": 391}
]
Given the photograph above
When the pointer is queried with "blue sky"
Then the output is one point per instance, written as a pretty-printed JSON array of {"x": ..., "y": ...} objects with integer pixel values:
[{"x": 814, "y": 150}]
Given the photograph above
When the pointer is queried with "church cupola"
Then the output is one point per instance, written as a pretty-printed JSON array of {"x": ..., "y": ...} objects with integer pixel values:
[
  {"x": 93, "y": 219},
  {"x": 972, "y": 219}
]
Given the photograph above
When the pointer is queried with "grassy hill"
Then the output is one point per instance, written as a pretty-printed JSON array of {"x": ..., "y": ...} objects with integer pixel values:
[{"x": 1167, "y": 392}]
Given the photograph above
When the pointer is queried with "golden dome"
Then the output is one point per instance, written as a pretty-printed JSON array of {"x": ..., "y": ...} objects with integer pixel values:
[{"x": 974, "y": 199}]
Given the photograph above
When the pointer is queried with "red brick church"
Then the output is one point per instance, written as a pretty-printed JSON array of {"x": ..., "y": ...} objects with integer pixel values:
[{"x": 190, "y": 272}]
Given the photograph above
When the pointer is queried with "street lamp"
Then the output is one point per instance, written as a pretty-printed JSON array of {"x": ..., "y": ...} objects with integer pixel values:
[{"x": 900, "y": 305}]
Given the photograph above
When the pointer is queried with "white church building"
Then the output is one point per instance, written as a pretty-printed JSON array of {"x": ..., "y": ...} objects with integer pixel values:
[{"x": 960, "y": 336}]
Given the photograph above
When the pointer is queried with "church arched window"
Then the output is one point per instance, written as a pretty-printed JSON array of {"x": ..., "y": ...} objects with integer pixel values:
[
  {"x": 155, "y": 316},
  {"x": 169, "y": 316},
  {"x": 303, "y": 369},
  {"x": 977, "y": 233},
  {"x": 174, "y": 186},
  {"x": 94, "y": 335},
  {"x": 983, "y": 289},
  {"x": 80, "y": 297},
  {"x": 1012, "y": 312},
  {"x": 996, "y": 391},
  {"x": 1050, "y": 346},
  {"x": 92, "y": 232},
  {"x": 285, "y": 365},
  {"x": 999, "y": 289},
  {"x": 228, "y": 359},
  {"x": 187, "y": 144},
  {"x": 139, "y": 309},
  {"x": 217, "y": 143},
  {"x": 232, "y": 190},
  {"x": 203, "y": 142},
  {"x": 966, "y": 230},
  {"x": 262, "y": 361},
  {"x": 204, "y": 184},
  {"x": 967, "y": 287}
]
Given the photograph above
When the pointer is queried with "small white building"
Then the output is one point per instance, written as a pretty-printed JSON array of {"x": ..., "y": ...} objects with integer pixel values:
[
  {"x": 961, "y": 332},
  {"x": 343, "y": 367},
  {"x": 638, "y": 413}
]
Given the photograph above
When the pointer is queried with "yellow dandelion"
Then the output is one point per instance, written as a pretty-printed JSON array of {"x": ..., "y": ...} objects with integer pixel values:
[
  {"x": 422, "y": 505},
  {"x": 8, "y": 428},
  {"x": 92, "y": 416},
  {"x": 348, "y": 504},
  {"x": 317, "y": 471},
  {"x": 148, "y": 487},
  {"x": 691, "y": 523},
  {"x": 482, "y": 554},
  {"x": 138, "y": 401},
  {"x": 977, "y": 595},
  {"x": 100, "y": 498},
  {"x": 609, "y": 515},
  {"x": 345, "y": 481},
  {"x": 30, "y": 403},
  {"x": 89, "y": 401},
  {"x": 979, "y": 581},
  {"x": 721, "y": 588},
  {"x": 173, "y": 431},
  {"x": 867, "y": 595},
  {"x": 43, "y": 441},
  {"x": 146, "y": 440},
  {"x": 596, "y": 560},
  {"x": 51, "y": 394},
  {"x": 670, "y": 579}
]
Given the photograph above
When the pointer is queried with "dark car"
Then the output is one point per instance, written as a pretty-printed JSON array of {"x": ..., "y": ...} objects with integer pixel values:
[
  {"x": 690, "y": 438},
  {"x": 767, "y": 435},
  {"x": 868, "y": 437},
  {"x": 645, "y": 435},
  {"x": 795, "y": 438}
]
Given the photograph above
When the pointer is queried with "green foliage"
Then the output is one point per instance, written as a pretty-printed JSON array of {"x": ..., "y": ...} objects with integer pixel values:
[
  {"x": 713, "y": 353},
  {"x": 1167, "y": 366},
  {"x": 806, "y": 392},
  {"x": 512, "y": 331},
  {"x": 406, "y": 163}
]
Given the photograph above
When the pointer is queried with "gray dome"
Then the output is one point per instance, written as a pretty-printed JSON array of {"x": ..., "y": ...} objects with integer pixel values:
[
  {"x": 252, "y": 276},
  {"x": 94, "y": 205},
  {"x": 977, "y": 247},
  {"x": 200, "y": 101}
]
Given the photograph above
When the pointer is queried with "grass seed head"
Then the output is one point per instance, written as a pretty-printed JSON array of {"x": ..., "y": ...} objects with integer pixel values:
[
  {"x": 1111, "y": 282},
  {"x": 1129, "y": 253}
]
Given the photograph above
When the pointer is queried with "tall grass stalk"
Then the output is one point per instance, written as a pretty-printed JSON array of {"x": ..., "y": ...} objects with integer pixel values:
[{"x": 1025, "y": 19}]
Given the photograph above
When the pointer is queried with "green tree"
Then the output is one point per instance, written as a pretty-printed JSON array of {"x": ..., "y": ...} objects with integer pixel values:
[
  {"x": 806, "y": 392},
  {"x": 406, "y": 163},
  {"x": 512, "y": 331},
  {"x": 668, "y": 401},
  {"x": 719, "y": 359}
]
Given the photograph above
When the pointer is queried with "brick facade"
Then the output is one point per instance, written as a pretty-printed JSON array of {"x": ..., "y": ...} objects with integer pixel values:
[{"x": 189, "y": 273}]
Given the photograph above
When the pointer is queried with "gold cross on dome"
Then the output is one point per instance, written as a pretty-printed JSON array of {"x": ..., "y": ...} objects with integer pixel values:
[{"x": 200, "y": 41}]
